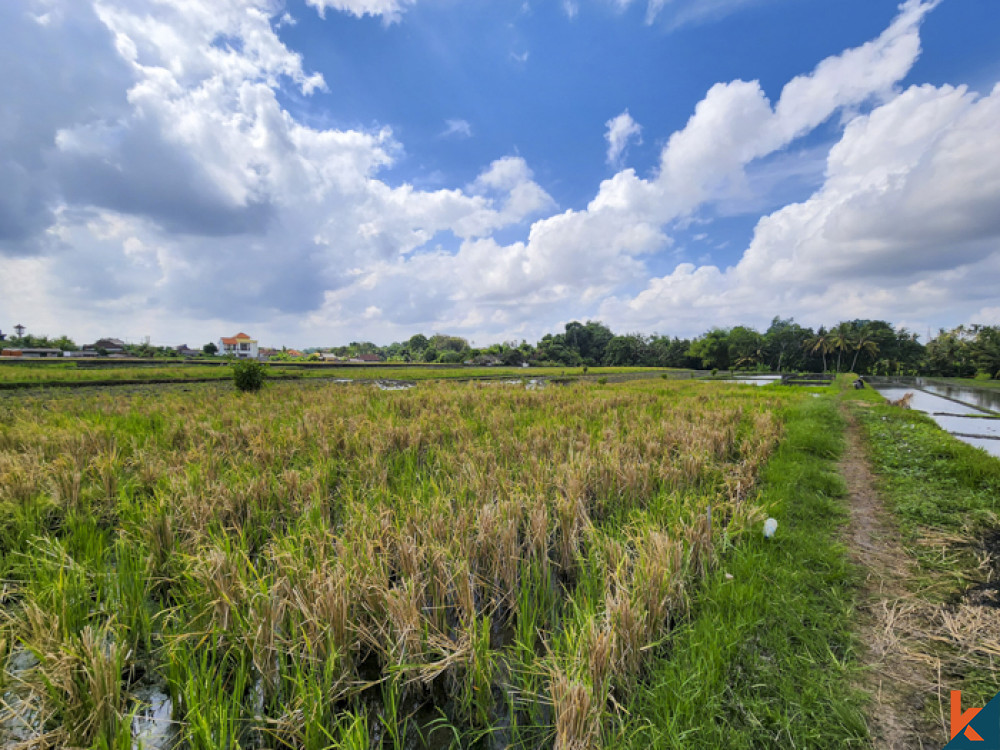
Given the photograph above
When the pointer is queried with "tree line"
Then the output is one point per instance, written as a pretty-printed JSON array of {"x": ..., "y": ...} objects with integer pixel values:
[
  {"x": 870, "y": 347},
  {"x": 867, "y": 347}
]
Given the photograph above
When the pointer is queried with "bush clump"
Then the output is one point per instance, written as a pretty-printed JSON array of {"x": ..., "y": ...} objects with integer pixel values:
[{"x": 249, "y": 375}]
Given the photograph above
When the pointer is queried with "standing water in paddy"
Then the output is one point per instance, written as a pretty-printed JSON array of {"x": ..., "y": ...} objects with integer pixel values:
[{"x": 963, "y": 412}]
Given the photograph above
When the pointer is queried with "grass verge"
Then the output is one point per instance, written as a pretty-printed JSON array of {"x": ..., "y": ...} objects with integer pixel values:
[
  {"x": 767, "y": 657},
  {"x": 945, "y": 496}
]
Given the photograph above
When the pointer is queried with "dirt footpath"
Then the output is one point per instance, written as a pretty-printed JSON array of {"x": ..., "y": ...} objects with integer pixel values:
[{"x": 900, "y": 680}]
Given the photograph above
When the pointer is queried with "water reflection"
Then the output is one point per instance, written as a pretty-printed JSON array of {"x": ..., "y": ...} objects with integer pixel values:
[
  {"x": 755, "y": 380},
  {"x": 928, "y": 402},
  {"x": 981, "y": 397},
  {"x": 152, "y": 728}
]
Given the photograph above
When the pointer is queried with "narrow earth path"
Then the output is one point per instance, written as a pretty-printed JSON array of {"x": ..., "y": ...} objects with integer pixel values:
[{"x": 900, "y": 685}]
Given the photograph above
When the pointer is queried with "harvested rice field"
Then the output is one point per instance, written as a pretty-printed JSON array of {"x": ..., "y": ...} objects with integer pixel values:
[{"x": 317, "y": 566}]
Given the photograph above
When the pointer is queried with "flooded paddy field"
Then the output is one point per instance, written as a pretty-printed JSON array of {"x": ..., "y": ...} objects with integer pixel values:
[
  {"x": 328, "y": 565},
  {"x": 970, "y": 414},
  {"x": 748, "y": 380}
]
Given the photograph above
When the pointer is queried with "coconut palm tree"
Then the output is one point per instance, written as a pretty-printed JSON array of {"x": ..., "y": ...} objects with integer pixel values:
[
  {"x": 822, "y": 344},
  {"x": 841, "y": 339},
  {"x": 864, "y": 343}
]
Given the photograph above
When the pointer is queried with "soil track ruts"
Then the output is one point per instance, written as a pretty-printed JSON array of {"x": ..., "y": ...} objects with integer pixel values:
[{"x": 899, "y": 685}]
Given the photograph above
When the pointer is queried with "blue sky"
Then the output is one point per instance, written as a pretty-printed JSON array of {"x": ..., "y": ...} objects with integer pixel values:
[{"x": 320, "y": 171}]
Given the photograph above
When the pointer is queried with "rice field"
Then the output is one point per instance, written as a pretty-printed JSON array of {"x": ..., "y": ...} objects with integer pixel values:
[
  {"x": 42, "y": 374},
  {"x": 68, "y": 372},
  {"x": 456, "y": 565}
]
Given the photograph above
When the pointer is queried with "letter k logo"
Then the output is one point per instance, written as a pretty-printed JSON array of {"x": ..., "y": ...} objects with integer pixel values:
[{"x": 960, "y": 721}]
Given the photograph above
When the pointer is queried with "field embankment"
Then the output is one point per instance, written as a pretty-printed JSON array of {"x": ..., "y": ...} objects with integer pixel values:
[{"x": 932, "y": 625}]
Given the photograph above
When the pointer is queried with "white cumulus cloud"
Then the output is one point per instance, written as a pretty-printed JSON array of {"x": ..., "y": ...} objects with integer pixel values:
[{"x": 620, "y": 130}]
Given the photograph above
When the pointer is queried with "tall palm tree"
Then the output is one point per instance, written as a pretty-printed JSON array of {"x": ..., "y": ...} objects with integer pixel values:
[
  {"x": 864, "y": 343},
  {"x": 841, "y": 339},
  {"x": 821, "y": 343}
]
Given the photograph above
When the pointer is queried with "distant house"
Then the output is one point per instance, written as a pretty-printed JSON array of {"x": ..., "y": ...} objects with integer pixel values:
[
  {"x": 294, "y": 353},
  {"x": 240, "y": 346},
  {"x": 366, "y": 358},
  {"x": 111, "y": 346},
  {"x": 185, "y": 351},
  {"x": 329, "y": 357}
]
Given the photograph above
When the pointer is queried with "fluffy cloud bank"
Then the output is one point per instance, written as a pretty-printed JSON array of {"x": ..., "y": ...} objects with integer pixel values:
[
  {"x": 905, "y": 226},
  {"x": 164, "y": 187}
]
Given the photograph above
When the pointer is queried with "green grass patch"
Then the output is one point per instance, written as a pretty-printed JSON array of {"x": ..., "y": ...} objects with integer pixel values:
[{"x": 931, "y": 479}]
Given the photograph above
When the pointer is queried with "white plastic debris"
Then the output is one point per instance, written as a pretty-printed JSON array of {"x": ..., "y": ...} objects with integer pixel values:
[{"x": 770, "y": 526}]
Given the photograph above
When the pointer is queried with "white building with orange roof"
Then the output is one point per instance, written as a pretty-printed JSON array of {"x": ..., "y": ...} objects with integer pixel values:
[{"x": 240, "y": 345}]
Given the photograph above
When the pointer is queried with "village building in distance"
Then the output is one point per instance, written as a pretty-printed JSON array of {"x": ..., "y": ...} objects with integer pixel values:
[{"x": 240, "y": 346}]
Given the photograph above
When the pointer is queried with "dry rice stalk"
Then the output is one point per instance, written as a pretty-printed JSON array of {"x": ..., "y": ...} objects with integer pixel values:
[
  {"x": 577, "y": 713},
  {"x": 903, "y": 402}
]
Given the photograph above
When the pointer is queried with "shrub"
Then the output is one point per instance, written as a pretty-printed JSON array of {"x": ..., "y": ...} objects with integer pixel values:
[
  {"x": 602, "y": 381},
  {"x": 249, "y": 375}
]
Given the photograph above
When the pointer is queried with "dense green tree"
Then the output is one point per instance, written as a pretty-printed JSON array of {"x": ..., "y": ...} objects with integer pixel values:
[
  {"x": 712, "y": 349},
  {"x": 553, "y": 349},
  {"x": 589, "y": 339},
  {"x": 417, "y": 343},
  {"x": 625, "y": 351},
  {"x": 663, "y": 351},
  {"x": 949, "y": 354},
  {"x": 512, "y": 357},
  {"x": 785, "y": 343},
  {"x": 448, "y": 343},
  {"x": 985, "y": 349},
  {"x": 746, "y": 347}
]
